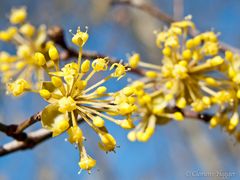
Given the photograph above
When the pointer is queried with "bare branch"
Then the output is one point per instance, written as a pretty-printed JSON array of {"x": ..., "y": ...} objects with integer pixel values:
[
  {"x": 33, "y": 139},
  {"x": 178, "y": 9},
  {"x": 16, "y": 130},
  {"x": 28, "y": 122},
  {"x": 148, "y": 8}
]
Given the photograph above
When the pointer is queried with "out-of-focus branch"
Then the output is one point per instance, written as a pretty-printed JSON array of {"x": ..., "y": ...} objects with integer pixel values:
[
  {"x": 178, "y": 9},
  {"x": 159, "y": 14},
  {"x": 146, "y": 7},
  {"x": 32, "y": 139},
  {"x": 16, "y": 131},
  {"x": 35, "y": 138}
]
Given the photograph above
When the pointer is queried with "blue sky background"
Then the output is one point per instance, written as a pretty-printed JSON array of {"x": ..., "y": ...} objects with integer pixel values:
[{"x": 174, "y": 150}]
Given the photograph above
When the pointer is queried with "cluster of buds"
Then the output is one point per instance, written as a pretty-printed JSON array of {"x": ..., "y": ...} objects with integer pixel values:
[
  {"x": 27, "y": 39},
  {"x": 187, "y": 78}
]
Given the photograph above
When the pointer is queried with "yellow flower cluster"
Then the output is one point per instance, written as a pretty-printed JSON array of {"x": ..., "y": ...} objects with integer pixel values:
[
  {"x": 227, "y": 98},
  {"x": 186, "y": 78},
  {"x": 27, "y": 39},
  {"x": 71, "y": 95}
]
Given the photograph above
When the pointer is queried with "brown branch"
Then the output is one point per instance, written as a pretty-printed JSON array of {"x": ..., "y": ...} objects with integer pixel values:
[
  {"x": 10, "y": 130},
  {"x": 35, "y": 138},
  {"x": 159, "y": 14},
  {"x": 178, "y": 9},
  {"x": 148, "y": 8},
  {"x": 28, "y": 122},
  {"x": 16, "y": 131},
  {"x": 32, "y": 140}
]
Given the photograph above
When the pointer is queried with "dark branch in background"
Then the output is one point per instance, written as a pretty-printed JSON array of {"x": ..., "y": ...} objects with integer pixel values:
[
  {"x": 178, "y": 9},
  {"x": 22, "y": 139},
  {"x": 159, "y": 14},
  {"x": 146, "y": 7},
  {"x": 25, "y": 141}
]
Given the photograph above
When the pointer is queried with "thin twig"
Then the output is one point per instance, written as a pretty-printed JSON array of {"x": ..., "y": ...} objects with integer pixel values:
[
  {"x": 16, "y": 130},
  {"x": 148, "y": 8},
  {"x": 10, "y": 130},
  {"x": 178, "y": 9},
  {"x": 28, "y": 122}
]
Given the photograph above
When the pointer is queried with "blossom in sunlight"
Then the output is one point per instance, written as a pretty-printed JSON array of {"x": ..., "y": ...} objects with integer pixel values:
[
  {"x": 71, "y": 95},
  {"x": 27, "y": 39},
  {"x": 227, "y": 98},
  {"x": 182, "y": 79},
  {"x": 153, "y": 109}
]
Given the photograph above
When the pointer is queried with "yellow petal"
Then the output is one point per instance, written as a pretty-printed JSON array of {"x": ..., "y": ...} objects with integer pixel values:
[{"x": 48, "y": 115}]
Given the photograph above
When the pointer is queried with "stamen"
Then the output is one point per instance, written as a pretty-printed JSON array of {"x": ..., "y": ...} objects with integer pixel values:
[{"x": 97, "y": 84}]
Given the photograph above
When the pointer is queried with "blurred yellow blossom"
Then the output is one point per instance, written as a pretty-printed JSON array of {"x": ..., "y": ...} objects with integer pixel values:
[
  {"x": 27, "y": 39},
  {"x": 181, "y": 80}
]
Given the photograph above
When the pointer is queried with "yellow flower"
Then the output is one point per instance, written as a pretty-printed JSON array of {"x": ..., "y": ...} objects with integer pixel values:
[
  {"x": 27, "y": 30},
  {"x": 60, "y": 125},
  {"x": 108, "y": 143},
  {"x": 183, "y": 69},
  {"x": 53, "y": 53},
  {"x": 181, "y": 80},
  {"x": 71, "y": 96},
  {"x": 98, "y": 121},
  {"x": 66, "y": 104},
  {"x": 184, "y": 24},
  {"x": 28, "y": 40},
  {"x": 134, "y": 60},
  {"x": 45, "y": 93},
  {"x": 80, "y": 38},
  {"x": 85, "y": 66},
  {"x": 75, "y": 135},
  {"x": 234, "y": 121},
  {"x": 18, "y": 87},
  {"x": 100, "y": 64},
  {"x": 8, "y": 34},
  {"x": 87, "y": 163},
  {"x": 18, "y": 16},
  {"x": 120, "y": 70}
]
